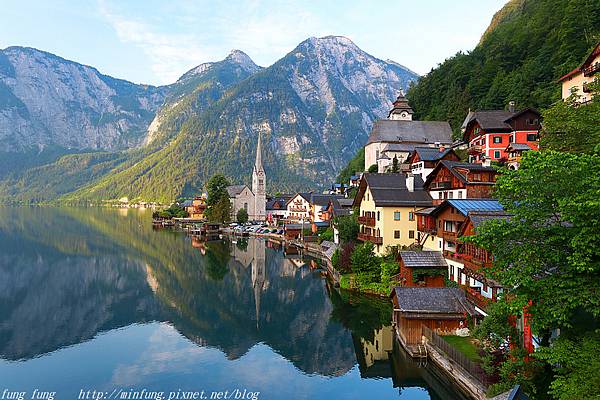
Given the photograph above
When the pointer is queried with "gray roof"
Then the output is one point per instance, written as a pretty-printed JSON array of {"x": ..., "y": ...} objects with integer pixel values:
[
  {"x": 234, "y": 190},
  {"x": 187, "y": 203},
  {"x": 426, "y": 211},
  {"x": 344, "y": 202},
  {"x": 423, "y": 259},
  {"x": 323, "y": 199},
  {"x": 385, "y": 130},
  {"x": 431, "y": 153},
  {"x": 478, "y": 217},
  {"x": 518, "y": 147},
  {"x": 433, "y": 300},
  {"x": 494, "y": 120},
  {"x": 390, "y": 190},
  {"x": 398, "y": 147},
  {"x": 452, "y": 167}
]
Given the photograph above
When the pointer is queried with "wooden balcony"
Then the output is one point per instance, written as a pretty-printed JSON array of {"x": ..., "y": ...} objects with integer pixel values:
[
  {"x": 592, "y": 69},
  {"x": 476, "y": 298},
  {"x": 369, "y": 238},
  {"x": 475, "y": 149},
  {"x": 368, "y": 221},
  {"x": 447, "y": 235}
]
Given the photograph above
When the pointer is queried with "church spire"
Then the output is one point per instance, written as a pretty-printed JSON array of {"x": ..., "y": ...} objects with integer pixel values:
[
  {"x": 258, "y": 163},
  {"x": 401, "y": 110}
]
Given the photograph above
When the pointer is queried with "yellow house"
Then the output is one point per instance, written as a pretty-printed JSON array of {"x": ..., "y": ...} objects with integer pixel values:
[
  {"x": 387, "y": 206},
  {"x": 579, "y": 79}
]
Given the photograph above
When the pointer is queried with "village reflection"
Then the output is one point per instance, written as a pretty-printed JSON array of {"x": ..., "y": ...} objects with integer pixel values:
[{"x": 97, "y": 270}]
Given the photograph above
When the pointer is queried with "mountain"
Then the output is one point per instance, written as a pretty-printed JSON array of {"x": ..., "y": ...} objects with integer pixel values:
[
  {"x": 314, "y": 109},
  {"x": 527, "y": 47},
  {"x": 46, "y": 100}
]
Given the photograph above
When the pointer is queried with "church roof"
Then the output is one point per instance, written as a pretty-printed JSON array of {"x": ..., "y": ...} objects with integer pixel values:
[
  {"x": 394, "y": 131},
  {"x": 234, "y": 190}
]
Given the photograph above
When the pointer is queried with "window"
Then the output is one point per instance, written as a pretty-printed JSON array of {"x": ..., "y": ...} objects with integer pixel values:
[
  {"x": 396, "y": 215},
  {"x": 448, "y": 226},
  {"x": 396, "y": 234},
  {"x": 246, "y": 206},
  {"x": 510, "y": 139},
  {"x": 459, "y": 194},
  {"x": 497, "y": 139},
  {"x": 497, "y": 154},
  {"x": 411, "y": 234},
  {"x": 532, "y": 137},
  {"x": 411, "y": 216},
  {"x": 450, "y": 195},
  {"x": 377, "y": 215}
]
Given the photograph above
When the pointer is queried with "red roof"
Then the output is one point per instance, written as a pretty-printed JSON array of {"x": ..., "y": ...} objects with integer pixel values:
[{"x": 585, "y": 64}]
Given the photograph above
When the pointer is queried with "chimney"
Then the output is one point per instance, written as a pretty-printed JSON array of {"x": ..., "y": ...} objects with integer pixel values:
[
  {"x": 442, "y": 148},
  {"x": 410, "y": 182},
  {"x": 511, "y": 106}
]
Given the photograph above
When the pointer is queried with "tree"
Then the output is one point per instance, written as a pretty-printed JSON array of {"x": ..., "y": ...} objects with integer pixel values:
[
  {"x": 219, "y": 206},
  {"x": 242, "y": 216},
  {"x": 373, "y": 168},
  {"x": 347, "y": 227},
  {"x": 569, "y": 127},
  {"x": 395, "y": 165},
  {"x": 547, "y": 255}
]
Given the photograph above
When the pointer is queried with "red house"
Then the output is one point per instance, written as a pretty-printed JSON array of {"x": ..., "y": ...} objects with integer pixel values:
[{"x": 488, "y": 133}]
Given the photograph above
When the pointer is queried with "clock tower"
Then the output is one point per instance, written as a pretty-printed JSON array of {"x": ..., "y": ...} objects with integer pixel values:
[
  {"x": 259, "y": 184},
  {"x": 401, "y": 110}
]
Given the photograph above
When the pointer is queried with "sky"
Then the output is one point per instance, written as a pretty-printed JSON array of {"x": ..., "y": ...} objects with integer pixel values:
[{"x": 155, "y": 42}]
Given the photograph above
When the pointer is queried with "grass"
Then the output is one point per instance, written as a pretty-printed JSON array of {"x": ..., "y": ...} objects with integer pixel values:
[{"x": 465, "y": 345}]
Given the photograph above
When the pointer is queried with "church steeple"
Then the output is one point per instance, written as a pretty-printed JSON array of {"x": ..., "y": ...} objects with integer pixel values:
[
  {"x": 401, "y": 110},
  {"x": 259, "y": 184}
]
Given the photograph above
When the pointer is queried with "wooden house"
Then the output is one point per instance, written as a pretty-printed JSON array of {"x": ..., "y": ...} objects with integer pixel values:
[
  {"x": 515, "y": 152},
  {"x": 459, "y": 180},
  {"x": 578, "y": 80},
  {"x": 443, "y": 310},
  {"x": 423, "y": 160},
  {"x": 195, "y": 208},
  {"x": 422, "y": 269}
]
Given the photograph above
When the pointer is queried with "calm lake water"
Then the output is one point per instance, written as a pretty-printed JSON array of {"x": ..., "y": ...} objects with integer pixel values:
[{"x": 95, "y": 299}]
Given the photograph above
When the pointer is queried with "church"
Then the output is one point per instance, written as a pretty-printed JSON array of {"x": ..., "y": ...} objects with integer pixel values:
[{"x": 253, "y": 200}]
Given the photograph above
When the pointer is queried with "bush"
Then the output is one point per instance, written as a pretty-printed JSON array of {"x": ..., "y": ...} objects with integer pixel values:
[
  {"x": 327, "y": 235},
  {"x": 242, "y": 216}
]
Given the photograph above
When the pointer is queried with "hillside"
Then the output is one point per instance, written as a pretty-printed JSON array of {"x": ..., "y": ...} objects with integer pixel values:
[
  {"x": 314, "y": 108},
  {"x": 528, "y": 46}
]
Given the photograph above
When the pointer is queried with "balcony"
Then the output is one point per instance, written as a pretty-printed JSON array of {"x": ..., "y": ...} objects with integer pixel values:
[
  {"x": 475, "y": 149},
  {"x": 369, "y": 238},
  {"x": 476, "y": 298},
  {"x": 451, "y": 236},
  {"x": 368, "y": 221},
  {"x": 441, "y": 185},
  {"x": 592, "y": 69}
]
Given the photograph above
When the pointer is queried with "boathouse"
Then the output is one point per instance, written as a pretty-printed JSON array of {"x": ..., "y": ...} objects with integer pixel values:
[
  {"x": 441, "y": 309},
  {"x": 422, "y": 268}
]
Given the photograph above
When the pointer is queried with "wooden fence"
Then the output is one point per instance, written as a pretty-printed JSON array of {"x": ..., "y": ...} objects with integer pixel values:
[{"x": 457, "y": 356}]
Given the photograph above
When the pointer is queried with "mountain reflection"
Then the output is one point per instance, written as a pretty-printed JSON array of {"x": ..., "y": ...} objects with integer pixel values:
[{"x": 68, "y": 274}]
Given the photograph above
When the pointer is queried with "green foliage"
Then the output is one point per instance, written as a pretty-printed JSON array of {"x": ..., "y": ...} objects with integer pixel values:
[
  {"x": 219, "y": 206},
  {"x": 529, "y": 45},
  {"x": 172, "y": 212},
  {"x": 335, "y": 259},
  {"x": 419, "y": 273},
  {"x": 327, "y": 235},
  {"x": 242, "y": 216},
  {"x": 568, "y": 127},
  {"x": 217, "y": 258},
  {"x": 373, "y": 168},
  {"x": 347, "y": 227},
  {"x": 356, "y": 164}
]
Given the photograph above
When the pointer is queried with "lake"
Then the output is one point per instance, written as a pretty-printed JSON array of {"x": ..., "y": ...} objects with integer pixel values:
[{"x": 95, "y": 303}]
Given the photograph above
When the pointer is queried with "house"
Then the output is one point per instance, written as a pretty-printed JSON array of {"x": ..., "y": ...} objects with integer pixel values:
[
  {"x": 578, "y": 80},
  {"x": 195, "y": 208},
  {"x": 337, "y": 208},
  {"x": 515, "y": 152},
  {"x": 276, "y": 208},
  {"x": 298, "y": 207},
  {"x": 488, "y": 133},
  {"x": 422, "y": 160},
  {"x": 253, "y": 201},
  {"x": 398, "y": 135},
  {"x": 422, "y": 268},
  {"x": 354, "y": 180},
  {"x": 459, "y": 180},
  {"x": 387, "y": 205},
  {"x": 441, "y": 309},
  {"x": 439, "y": 227},
  {"x": 338, "y": 188},
  {"x": 319, "y": 204}
]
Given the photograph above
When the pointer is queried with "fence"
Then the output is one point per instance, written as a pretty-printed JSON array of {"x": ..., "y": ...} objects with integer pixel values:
[{"x": 457, "y": 356}]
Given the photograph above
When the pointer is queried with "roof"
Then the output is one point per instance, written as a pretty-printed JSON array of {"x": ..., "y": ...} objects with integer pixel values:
[
  {"x": 423, "y": 259},
  {"x": 398, "y": 147},
  {"x": 426, "y": 211},
  {"x": 234, "y": 190},
  {"x": 323, "y": 199},
  {"x": 490, "y": 120},
  {"x": 465, "y": 206},
  {"x": 279, "y": 200},
  {"x": 477, "y": 217},
  {"x": 431, "y": 153},
  {"x": 304, "y": 195},
  {"x": 385, "y": 130},
  {"x": 354, "y": 177},
  {"x": 187, "y": 203},
  {"x": 583, "y": 65},
  {"x": 518, "y": 147},
  {"x": 432, "y": 300},
  {"x": 390, "y": 190},
  {"x": 345, "y": 203},
  {"x": 454, "y": 166}
]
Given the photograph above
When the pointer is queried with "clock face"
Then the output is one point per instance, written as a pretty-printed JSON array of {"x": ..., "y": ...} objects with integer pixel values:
[{"x": 404, "y": 115}]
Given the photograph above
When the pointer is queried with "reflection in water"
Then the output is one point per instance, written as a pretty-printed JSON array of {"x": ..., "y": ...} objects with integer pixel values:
[{"x": 192, "y": 313}]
